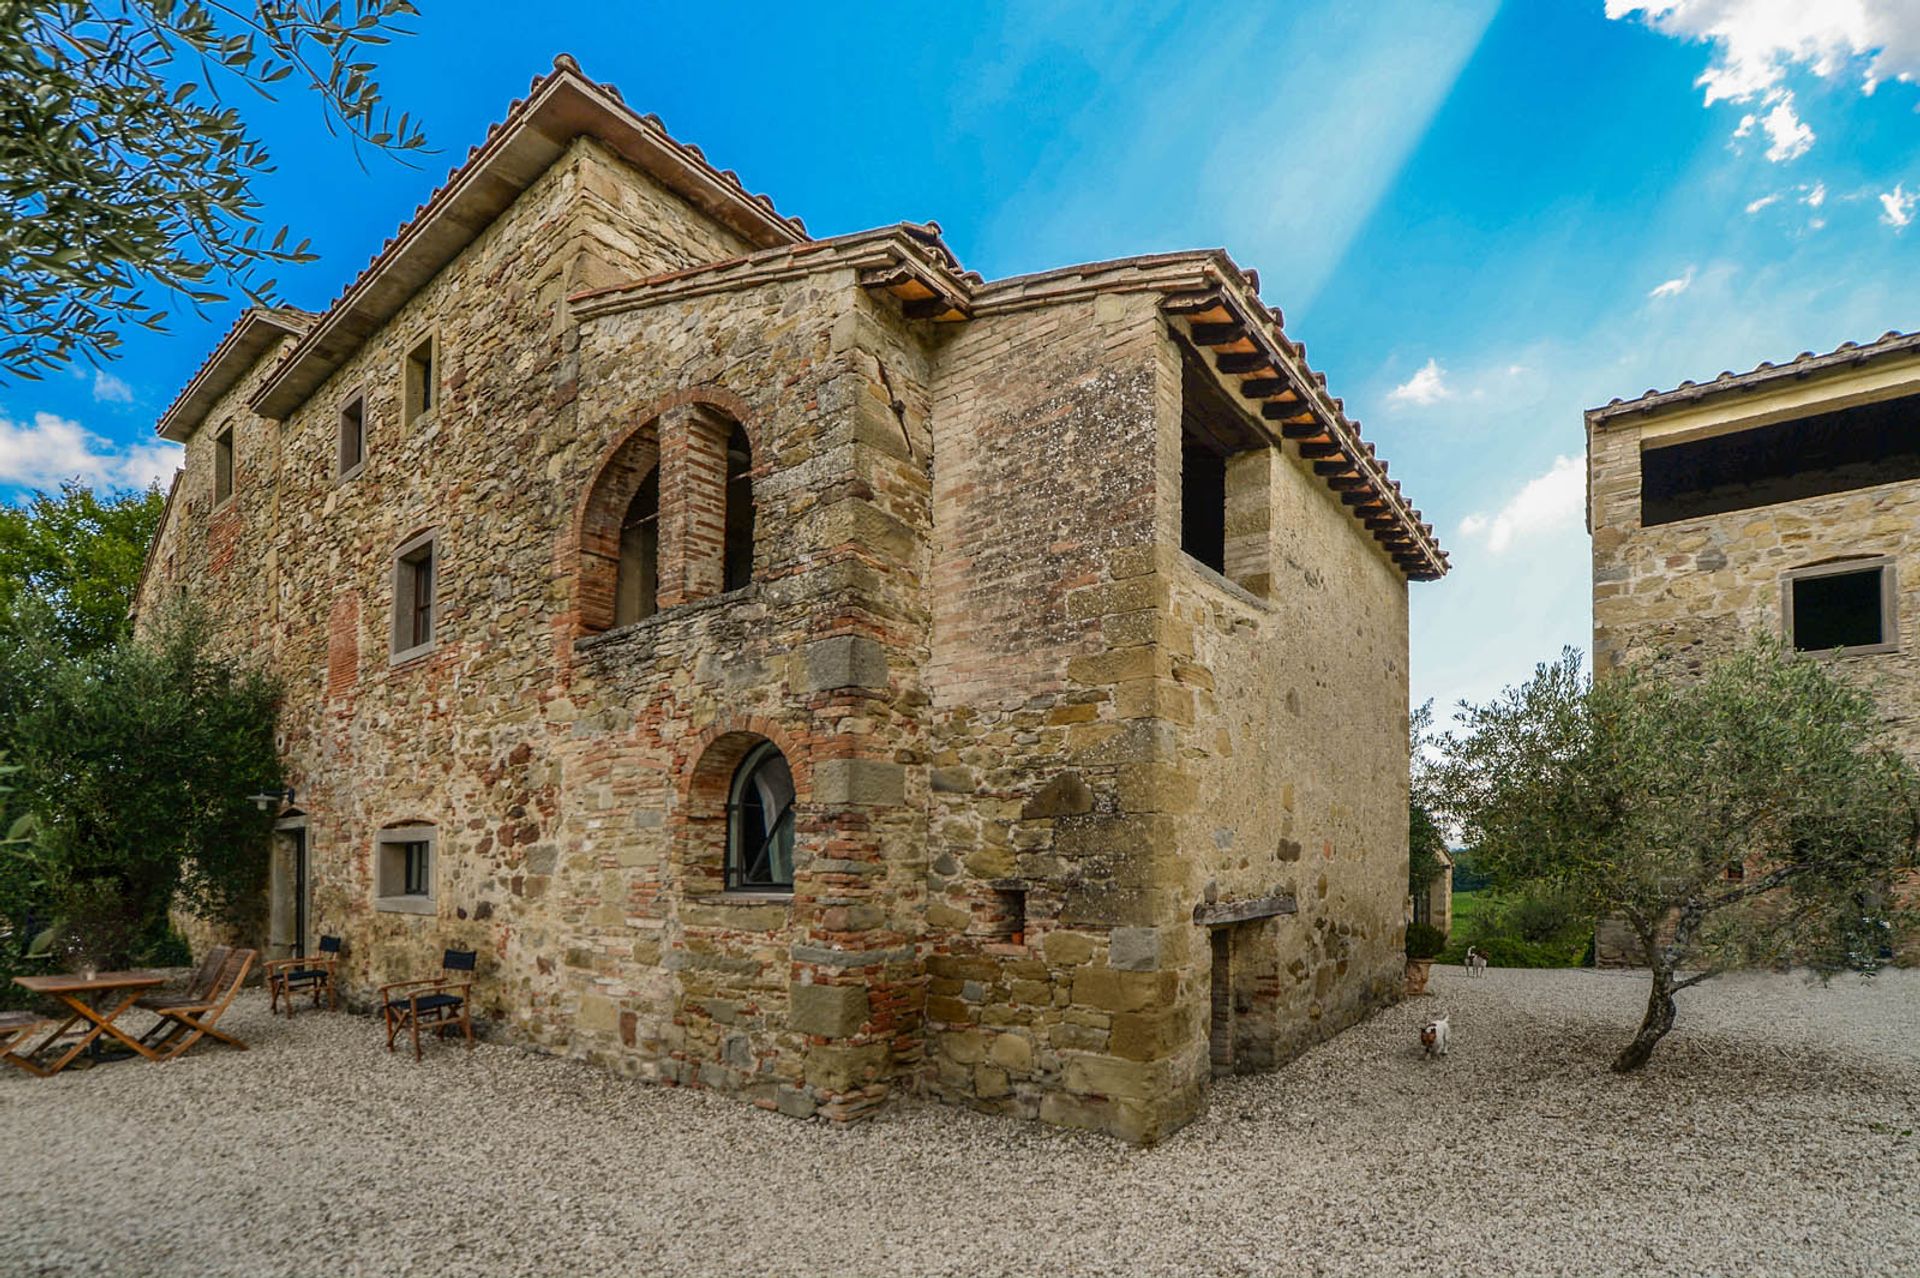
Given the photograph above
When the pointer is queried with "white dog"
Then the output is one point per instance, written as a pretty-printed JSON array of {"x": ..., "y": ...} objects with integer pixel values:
[
  {"x": 1433, "y": 1037},
  {"x": 1476, "y": 962}
]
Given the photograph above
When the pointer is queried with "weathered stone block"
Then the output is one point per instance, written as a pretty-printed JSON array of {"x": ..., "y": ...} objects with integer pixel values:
[
  {"x": 1133, "y": 949},
  {"x": 831, "y": 1011},
  {"x": 843, "y": 661},
  {"x": 859, "y": 782}
]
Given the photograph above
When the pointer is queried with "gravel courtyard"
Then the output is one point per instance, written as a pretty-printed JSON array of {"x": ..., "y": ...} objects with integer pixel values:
[{"x": 1777, "y": 1132}]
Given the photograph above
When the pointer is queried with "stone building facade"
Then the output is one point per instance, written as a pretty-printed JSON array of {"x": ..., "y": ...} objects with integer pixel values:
[
  {"x": 1784, "y": 500},
  {"x": 800, "y": 667}
]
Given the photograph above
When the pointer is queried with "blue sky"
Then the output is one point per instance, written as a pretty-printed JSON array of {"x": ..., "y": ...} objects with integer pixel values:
[{"x": 1481, "y": 217}]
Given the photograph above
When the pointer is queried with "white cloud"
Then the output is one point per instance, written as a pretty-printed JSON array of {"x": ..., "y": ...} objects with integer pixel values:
[
  {"x": 1545, "y": 503},
  {"x": 1427, "y": 386},
  {"x": 1763, "y": 202},
  {"x": 1897, "y": 206},
  {"x": 1756, "y": 42},
  {"x": 108, "y": 389},
  {"x": 49, "y": 449},
  {"x": 1673, "y": 287},
  {"x": 1815, "y": 196}
]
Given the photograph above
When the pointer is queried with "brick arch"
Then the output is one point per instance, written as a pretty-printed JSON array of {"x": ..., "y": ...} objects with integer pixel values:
[
  {"x": 597, "y": 519},
  {"x": 592, "y": 547},
  {"x": 705, "y": 776}
]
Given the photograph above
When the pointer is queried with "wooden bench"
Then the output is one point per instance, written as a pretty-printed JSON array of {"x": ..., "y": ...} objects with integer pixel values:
[{"x": 15, "y": 1029}]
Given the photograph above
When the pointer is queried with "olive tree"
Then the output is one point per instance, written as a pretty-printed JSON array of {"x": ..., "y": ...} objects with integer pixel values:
[
  {"x": 124, "y": 166},
  {"x": 1753, "y": 815},
  {"x": 135, "y": 765}
]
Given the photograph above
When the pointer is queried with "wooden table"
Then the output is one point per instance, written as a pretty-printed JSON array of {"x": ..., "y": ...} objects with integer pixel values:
[{"x": 116, "y": 990}]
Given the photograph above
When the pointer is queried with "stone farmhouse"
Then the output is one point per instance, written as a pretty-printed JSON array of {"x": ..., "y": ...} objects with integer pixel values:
[
  {"x": 800, "y": 667},
  {"x": 1785, "y": 499}
]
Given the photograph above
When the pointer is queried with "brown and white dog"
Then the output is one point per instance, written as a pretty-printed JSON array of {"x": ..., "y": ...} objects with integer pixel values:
[
  {"x": 1433, "y": 1037},
  {"x": 1476, "y": 962}
]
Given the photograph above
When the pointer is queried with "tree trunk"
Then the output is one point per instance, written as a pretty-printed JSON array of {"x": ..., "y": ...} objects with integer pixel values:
[{"x": 1653, "y": 1027}]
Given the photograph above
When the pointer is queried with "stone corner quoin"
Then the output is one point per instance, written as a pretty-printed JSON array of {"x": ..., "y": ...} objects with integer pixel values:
[{"x": 825, "y": 675}]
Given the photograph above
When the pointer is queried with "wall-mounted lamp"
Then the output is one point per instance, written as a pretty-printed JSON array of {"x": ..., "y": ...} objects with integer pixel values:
[{"x": 272, "y": 798}]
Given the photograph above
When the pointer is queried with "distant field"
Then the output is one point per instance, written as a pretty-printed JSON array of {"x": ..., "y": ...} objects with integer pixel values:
[{"x": 1476, "y": 918}]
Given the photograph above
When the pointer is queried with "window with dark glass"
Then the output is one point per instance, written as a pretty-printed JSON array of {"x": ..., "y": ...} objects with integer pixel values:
[
  {"x": 414, "y": 584},
  {"x": 415, "y": 858},
  {"x": 760, "y": 822}
]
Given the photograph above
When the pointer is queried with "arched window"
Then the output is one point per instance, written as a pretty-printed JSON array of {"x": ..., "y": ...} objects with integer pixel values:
[
  {"x": 636, "y": 588},
  {"x": 737, "y": 566},
  {"x": 760, "y": 822}
]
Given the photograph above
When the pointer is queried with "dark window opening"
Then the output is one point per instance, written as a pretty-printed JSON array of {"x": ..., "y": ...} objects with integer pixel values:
[
  {"x": 760, "y": 821},
  {"x": 737, "y": 564},
  {"x": 636, "y": 590},
  {"x": 222, "y": 466},
  {"x": 1838, "y": 610},
  {"x": 353, "y": 435},
  {"x": 1423, "y": 906},
  {"x": 1815, "y": 456},
  {"x": 1008, "y": 918},
  {"x": 1212, "y": 430},
  {"x": 1203, "y": 505}
]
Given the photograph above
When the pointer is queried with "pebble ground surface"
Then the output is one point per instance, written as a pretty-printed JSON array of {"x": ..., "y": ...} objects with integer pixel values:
[{"x": 1777, "y": 1131}]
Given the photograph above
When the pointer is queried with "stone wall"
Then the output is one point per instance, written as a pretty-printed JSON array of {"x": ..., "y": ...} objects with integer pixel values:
[
  {"x": 1028, "y": 735},
  {"x": 1688, "y": 590}
]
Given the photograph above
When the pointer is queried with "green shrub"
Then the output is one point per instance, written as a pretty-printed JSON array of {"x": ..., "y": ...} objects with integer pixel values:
[{"x": 1425, "y": 941}]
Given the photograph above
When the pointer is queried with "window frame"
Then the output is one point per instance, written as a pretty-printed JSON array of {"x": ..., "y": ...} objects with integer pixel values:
[
  {"x": 405, "y": 612},
  {"x": 1889, "y": 603},
  {"x": 390, "y": 869},
  {"x": 341, "y": 471},
  {"x": 420, "y": 394},
  {"x": 223, "y": 468},
  {"x": 732, "y": 867}
]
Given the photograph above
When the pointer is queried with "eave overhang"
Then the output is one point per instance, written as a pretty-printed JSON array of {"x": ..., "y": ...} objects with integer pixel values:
[
  {"x": 255, "y": 333},
  {"x": 561, "y": 106}
]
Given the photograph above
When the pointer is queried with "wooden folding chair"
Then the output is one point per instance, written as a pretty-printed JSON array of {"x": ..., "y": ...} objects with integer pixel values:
[
  {"x": 441, "y": 1003},
  {"x": 198, "y": 989},
  {"x": 289, "y": 976},
  {"x": 186, "y": 1023},
  {"x": 16, "y": 1028}
]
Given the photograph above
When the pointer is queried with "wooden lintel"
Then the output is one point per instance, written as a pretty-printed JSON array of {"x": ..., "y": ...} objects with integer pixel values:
[
  {"x": 1220, "y": 913},
  {"x": 1242, "y": 362},
  {"x": 1261, "y": 387},
  {"x": 1218, "y": 334},
  {"x": 887, "y": 277},
  {"x": 933, "y": 308},
  {"x": 1192, "y": 304}
]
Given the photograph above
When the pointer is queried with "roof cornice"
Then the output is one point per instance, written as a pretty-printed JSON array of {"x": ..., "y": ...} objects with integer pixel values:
[
  {"x": 561, "y": 106},
  {"x": 255, "y": 333},
  {"x": 1765, "y": 375}
]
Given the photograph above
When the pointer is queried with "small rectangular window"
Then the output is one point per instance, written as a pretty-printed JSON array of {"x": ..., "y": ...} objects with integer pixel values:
[
  {"x": 1842, "y": 607},
  {"x": 414, "y": 587},
  {"x": 403, "y": 870},
  {"x": 353, "y": 436},
  {"x": 421, "y": 391},
  {"x": 223, "y": 466}
]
